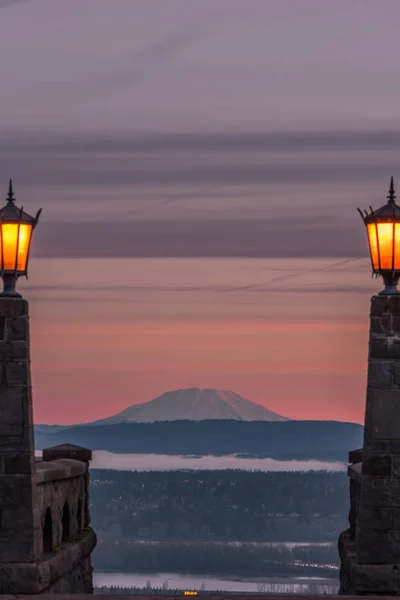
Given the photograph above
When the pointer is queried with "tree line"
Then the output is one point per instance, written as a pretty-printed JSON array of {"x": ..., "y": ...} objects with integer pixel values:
[{"x": 219, "y": 505}]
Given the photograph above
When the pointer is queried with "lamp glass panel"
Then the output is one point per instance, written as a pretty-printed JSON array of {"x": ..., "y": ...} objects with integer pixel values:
[
  {"x": 397, "y": 247},
  {"x": 9, "y": 235},
  {"x": 373, "y": 245},
  {"x": 385, "y": 240},
  {"x": 25, "y": 232}
]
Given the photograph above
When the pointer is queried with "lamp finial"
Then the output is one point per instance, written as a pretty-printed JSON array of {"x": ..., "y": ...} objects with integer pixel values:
[
  {"x": 10, "y": 196},
  {"x": 391, "y": 196}
]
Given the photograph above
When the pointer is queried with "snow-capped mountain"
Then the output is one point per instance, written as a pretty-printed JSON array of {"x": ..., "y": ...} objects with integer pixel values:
[{"x": 194, "y": 404}]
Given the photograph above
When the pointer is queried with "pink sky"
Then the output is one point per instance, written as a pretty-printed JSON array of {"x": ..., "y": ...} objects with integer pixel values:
[{"x": 108, "y": 334}]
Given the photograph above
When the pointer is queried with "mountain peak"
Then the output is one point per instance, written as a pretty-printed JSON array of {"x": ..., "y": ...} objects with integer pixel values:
[{"x": 194, "y": 404}]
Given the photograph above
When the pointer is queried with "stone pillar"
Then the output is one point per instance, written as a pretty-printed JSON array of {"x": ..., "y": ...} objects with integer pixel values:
[
  {"x": 370, "y": 549},
  {"x": 378, "y": 527},
  {"x": 19, "y": 521}
]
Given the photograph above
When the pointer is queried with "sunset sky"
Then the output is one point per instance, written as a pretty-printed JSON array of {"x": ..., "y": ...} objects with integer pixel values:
[{"x": 199, "y": 165}]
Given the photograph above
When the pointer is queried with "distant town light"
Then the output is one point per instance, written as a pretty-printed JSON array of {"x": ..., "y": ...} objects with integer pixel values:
[
  {"x": 383, "y": 228},
  {"x": 16, "y": 228}
]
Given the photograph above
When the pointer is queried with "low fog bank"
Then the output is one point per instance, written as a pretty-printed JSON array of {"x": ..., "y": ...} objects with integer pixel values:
[{"x": 164, "y": 462}]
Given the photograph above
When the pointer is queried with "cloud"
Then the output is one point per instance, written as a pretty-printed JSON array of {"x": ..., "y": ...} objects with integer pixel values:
[
  {"x": 8, "y": 3},
  {"x": 135, "y": 67},
  {"x": 283, "y": 237},
  {"x": 79, "y": 159}
]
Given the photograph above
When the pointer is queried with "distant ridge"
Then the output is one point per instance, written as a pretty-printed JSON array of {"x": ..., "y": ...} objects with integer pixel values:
[
  {"x": 283, "y": 440},
  {"x": 194, "y": 404}
]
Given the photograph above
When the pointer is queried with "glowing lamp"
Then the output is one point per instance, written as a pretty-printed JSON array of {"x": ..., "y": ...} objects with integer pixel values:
[
  {"x": 16, "y": 228},
  {"x": 383, "y": 228}
]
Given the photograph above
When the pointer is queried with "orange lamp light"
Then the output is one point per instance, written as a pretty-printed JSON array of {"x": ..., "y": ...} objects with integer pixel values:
[
  {"x": 16, "y": 228},
  {"x": 383, "y": 228}
]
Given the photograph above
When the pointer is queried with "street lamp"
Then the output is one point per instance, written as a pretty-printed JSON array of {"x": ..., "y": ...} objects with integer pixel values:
[
  {"x": 383, "y": 228},
  {"x": 16, "y": 228}
]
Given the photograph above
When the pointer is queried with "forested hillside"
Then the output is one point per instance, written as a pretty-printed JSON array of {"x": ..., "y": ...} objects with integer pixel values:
[
  {"x": 323, "y": 440},
  {"x": 219, "y": 505}
]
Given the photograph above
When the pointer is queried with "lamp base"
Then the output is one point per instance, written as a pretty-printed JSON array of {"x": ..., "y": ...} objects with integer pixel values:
[
  {"x": 5, "y": 294},
  {"x": 390, "y": 288},
  {"x": 9, "y": 291}
]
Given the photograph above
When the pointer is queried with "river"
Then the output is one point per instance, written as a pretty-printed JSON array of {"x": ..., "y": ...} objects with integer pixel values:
[{"x": 177, "y": 581}]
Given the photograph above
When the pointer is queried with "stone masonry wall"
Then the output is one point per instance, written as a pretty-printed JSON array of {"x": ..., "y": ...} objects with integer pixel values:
[
  {"x": 59, "y": 496},
  {"x": 378, "y": 524},
  {"x": 19, "y": 517},
  {"x": 370, "y": 548},
  {"x": 77, "y": 581},
  {"x": 32, "y": 560}
]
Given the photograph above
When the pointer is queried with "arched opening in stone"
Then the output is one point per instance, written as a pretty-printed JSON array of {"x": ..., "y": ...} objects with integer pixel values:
[
  {"x": 48, "y": 532},
  {"x": 66, "y": 524},
  {"x": 79, "y": 517}
]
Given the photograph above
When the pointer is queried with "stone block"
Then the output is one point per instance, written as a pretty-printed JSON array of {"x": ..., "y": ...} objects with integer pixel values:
[
  {"x": 14, "y": 350},
  {"x": 375, "y": 579},
  {"x": 393, "y": 305},
  {"x": 376, "y": 518},
  {"x": 379, "y": 305},
  {"x": 379, "y": 492},
  {"x": 382, "y": 325},
  {"x": 377, "y": 464},
  {"x": 14, "y": 373},
  {"x": 19, "y": 518},
  {"x": 17, "y": 547},
  {"x": 380, "y": 373},
  {"x": 396, "y": 466},
  {"x": 11, "y": 401},
  {"x": 380, "y": 446},
  {"x": 355, "y": 456},
  {"x": 396, "y": 325},
  {"x": 384, "y": 348},
  {"x": 16, "y": 490},
  {"x": 13, "y": 307},
  {"x": 17, "y": 329},
  {"x": 18, "y": 464},
  {"x": 382, "y": 419},
  {"x": 378, "y": 546}
]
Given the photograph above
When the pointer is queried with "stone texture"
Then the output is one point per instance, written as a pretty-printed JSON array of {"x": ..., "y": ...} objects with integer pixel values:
[
  {"x": 382, "y": 419},
  {"x": 69, "y": 571},
  {"x": 355, "y": 456},
  {"x": 29, "y": 490},
  {"x": 11, "y": 406},
  {"x": 17, "y": 328},
  {"x": 370, "y": 549},
  {"x": 377, "y": 464},
  {"x": 377, "y": 546},
  {"x": 380, "y": 373}
]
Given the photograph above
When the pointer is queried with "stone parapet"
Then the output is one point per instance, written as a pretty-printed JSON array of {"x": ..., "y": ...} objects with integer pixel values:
[
  {"x": 39, "y": 577},
  {"x": 62, "y": 468}
]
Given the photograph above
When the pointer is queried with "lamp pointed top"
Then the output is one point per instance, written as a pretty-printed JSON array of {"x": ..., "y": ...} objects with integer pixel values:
[
  {"x": 10, "y": 197},
  {"x": 391, "y": 196}
]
